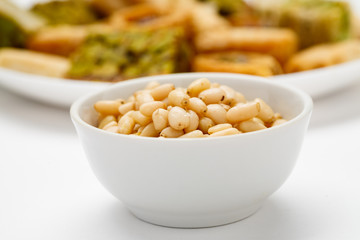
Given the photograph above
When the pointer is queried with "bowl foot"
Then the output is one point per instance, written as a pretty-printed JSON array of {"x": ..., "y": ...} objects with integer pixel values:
[{"x": 196, "y": 220}]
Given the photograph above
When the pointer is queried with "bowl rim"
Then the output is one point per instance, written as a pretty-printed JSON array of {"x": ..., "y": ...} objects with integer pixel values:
[{"x": 306, "y": 99}]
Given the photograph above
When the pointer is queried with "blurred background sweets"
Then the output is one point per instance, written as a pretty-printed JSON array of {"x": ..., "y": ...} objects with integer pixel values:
[
  {"x": 131, "y": 53},
  {"x": 314, "y": 21},
  {"x": 114, "y": 40}
]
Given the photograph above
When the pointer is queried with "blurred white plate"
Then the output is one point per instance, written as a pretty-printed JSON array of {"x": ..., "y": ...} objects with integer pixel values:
[
  {"x": 319, "y": 82},
  {"x": 54, "y": 91},
  {"x": 62, "y": 92}
]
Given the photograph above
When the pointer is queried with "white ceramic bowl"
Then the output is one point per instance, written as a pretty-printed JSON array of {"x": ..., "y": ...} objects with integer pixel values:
[{"x": 196, "y": 182}]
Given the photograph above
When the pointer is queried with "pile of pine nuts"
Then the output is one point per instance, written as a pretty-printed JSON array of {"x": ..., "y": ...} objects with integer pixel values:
[{"x": 203, "y": 109}]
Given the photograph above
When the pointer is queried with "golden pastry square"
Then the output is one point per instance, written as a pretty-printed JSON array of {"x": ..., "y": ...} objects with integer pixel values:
[
  {"x": 280, "y": 43},
  {"x": 323, "y": 55},
  {"x": 237, "y": 62}
]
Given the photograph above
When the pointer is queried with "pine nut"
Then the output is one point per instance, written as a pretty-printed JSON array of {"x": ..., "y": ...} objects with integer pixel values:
[
  {"x": 205, "y": 123},
  {"x": 266, "y": 113},
  {"x": 160, "y": 119},
  {"x": 217, "y": 113},
  {"x": 198, "y": 86},
  {"x": 243, "y": 111},
  {"x": 169, "y": 132},
  {"x": 148, "y": 108},
  {"x": 107, "y": 107},
  {"x": 194, "y": 122},
  {"x": 178, "y": 118},
  {"x": 161, "y": 92},
  {"x": 197, "y": 105},
  {"x": 251, "y": 125},
  {"x": 193, "y": 134},
  {"x": 219, "y": 127},
  {"x": 178, "y": 98},
  {"x": 225, "y": 132},
  {"x": 212, "y": 95}
]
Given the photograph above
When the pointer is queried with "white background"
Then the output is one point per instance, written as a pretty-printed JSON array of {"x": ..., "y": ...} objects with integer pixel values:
[{"x": 47, "y": 190}]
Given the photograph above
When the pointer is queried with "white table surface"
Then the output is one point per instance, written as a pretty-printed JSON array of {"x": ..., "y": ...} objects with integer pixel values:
[{"x": 47, "y": 190}]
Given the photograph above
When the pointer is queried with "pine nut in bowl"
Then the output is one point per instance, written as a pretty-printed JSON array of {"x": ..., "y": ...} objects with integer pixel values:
[{"x": 199, "y": 181}]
